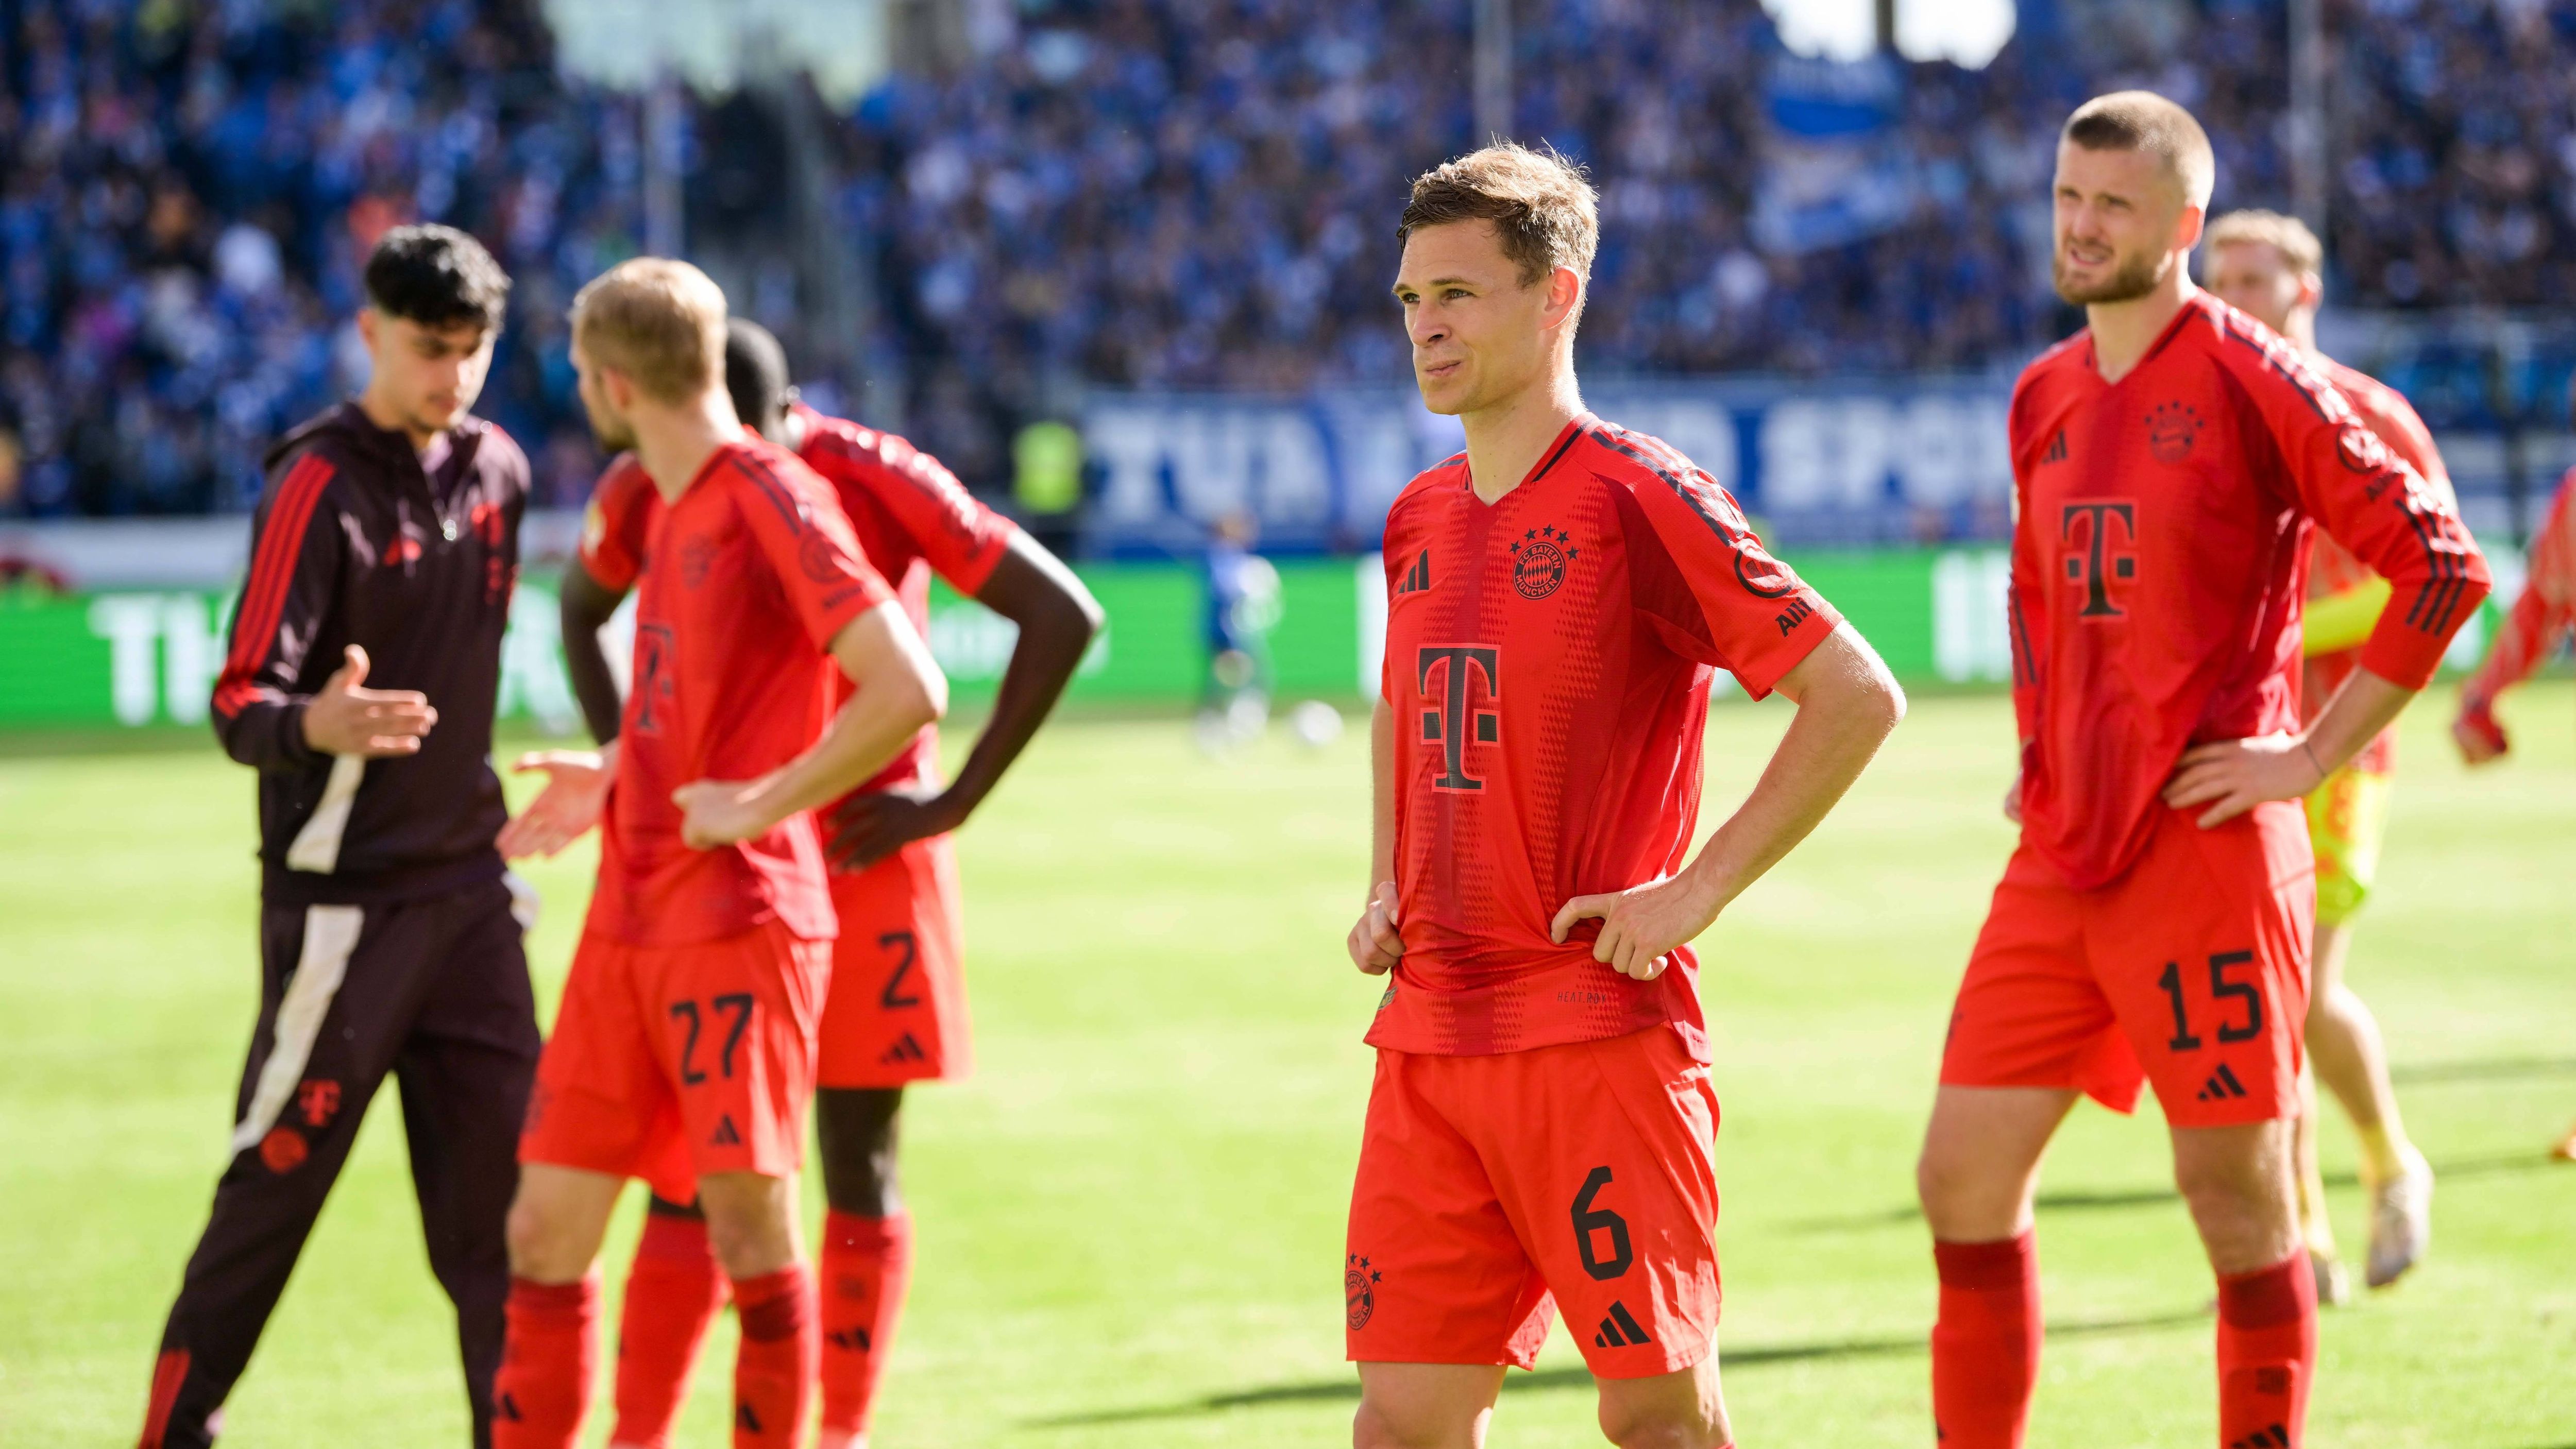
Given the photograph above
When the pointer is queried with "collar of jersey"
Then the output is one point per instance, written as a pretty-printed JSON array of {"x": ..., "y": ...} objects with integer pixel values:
[
  {"x": 2197, "y": 306},
  {"x": 1580, "y": 425}
]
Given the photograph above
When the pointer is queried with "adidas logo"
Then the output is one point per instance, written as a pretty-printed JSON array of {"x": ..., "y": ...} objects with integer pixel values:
[
  {"x": 506, "y": 1409},
  {"x": 1619, "y": 1330},
  {"x": 849, "y": 1340},
  {"x": 1418, "y": 577},
  {"x": 2056, "y": 449},
  {"x": 2221, "y": 1086},
  {"x": 745, "y": 1420},
  {"x": 725, "y": 1135},
  {"x": 905, "y": 1049},
  {"x": 2270, "y": 1436}
]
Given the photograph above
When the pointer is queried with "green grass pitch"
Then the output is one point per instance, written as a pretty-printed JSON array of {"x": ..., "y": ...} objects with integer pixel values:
[{"x": 1130, "y": 1220}]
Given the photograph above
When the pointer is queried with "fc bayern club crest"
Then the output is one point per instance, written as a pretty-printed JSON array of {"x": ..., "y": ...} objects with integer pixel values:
[
  {"x": 2171, "y": 430},
  {"x": 1539, "y": 560},
  {"x": 1357, "y": 1278}
]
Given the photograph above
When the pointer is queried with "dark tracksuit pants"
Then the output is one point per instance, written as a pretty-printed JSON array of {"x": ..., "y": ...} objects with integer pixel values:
[{"x": 433, "y": 990}]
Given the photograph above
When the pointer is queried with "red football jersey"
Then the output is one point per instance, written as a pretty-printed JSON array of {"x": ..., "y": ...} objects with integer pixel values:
[
  {"x": 911, "y": 516},
  {"x": 756, "y": 572},
  {"x": 1548, "y": 659},
  {"x": 2157, "y": 566},
  {"x": 2331, "y": 567}
]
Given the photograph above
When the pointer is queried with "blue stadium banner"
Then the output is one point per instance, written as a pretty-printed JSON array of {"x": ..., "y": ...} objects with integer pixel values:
[{"x": 1822, "y": 464}]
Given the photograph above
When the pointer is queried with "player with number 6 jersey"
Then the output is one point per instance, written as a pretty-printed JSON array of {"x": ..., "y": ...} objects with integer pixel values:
[{"x": 1560, "y": 598}]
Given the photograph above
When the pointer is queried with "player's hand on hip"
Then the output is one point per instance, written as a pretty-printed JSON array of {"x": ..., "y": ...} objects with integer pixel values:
[
  {"x": 576, "y": 793},
  {"x": 344, "y": 718},
  {"x": 1377, "y": 942},
  {"x": 1641, "y": 926},
  {"x": 720, "y": 812},
  {"x": 2479, "y": 734},
  {"x": 868, "y": 828},
  {"x": 2233, "y": 776}
]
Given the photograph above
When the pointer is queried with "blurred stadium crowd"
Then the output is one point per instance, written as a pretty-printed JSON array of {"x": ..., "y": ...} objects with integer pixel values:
[{"x": 1150, "y": 193}]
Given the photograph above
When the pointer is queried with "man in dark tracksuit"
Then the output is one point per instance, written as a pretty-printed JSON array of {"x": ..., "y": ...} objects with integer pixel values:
[{"x": 384, "y": 552}]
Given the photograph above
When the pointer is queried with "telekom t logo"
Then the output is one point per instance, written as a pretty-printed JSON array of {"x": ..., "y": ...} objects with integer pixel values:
[
  {"x": 1457, "y": 708},
  {"x": 2097, "y": 558}
]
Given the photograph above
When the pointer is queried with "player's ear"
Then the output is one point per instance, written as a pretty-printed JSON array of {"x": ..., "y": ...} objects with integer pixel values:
[
  {"x": 2312, "y": 290},
  {"x": 368, "y": 321},
  {"x": 2188, "y": 228},
  {"x": 1564, "y": 294}
]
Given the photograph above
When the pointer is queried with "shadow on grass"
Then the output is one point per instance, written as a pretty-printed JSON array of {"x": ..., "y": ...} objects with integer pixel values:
[
  {"x": 2503, "y": 1069},
  {"x": 2081, "y": 1200},
  {"x": 1735, "y": 1360}
]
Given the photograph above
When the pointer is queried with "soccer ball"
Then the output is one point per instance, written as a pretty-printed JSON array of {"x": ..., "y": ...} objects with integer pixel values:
[{"x": 1316, "y": 723}]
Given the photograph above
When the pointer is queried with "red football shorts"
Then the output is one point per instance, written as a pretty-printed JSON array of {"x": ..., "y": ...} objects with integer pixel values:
[
  {"x": 2190, "y": 971},
  {"x": 673, "y": 1063},
  {"x": 1493, "y": 1188},
  {"x": 897, "y": 1009}
]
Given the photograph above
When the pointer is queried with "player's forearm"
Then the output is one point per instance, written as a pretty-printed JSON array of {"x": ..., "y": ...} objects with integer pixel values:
[
  {"x": 584, "y": 608},
  {"x": 862, "y": 739},
  {"x": 1381, "y": 794},
  {"x": 1847, "y": 705},
  {"x": 265, "y": 732},
  {"x": 2519, "y": 647},
  {"x": 2364, "y": 705},
  {"x": 1057, "y": 619}
]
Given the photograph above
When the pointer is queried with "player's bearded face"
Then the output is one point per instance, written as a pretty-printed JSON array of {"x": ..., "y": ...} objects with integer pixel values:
[
  {"x": 1480, "y": 334},
  {"x": 2118, "y": 216}
]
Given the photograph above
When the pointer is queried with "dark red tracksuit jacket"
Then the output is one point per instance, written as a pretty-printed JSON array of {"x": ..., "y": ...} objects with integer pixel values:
[{"x": 356, "y": 542}]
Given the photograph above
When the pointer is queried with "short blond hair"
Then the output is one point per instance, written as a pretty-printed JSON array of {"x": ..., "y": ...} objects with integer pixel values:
[
  {"x": 2145, "y": 121},
  {"x": 1546, "y": 213},
  {"x": 2288, "y": 235},
  {"x": 657, "y": 320}
]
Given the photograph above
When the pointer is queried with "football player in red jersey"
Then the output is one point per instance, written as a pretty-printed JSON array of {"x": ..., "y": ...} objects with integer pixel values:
[
  {"x": 2539, "y": 619},
  {"x": 896, "y": 1010},
  {"x": 2170, "y": 461},
  {"x": 684, "y": 1050},
  {"x": 1560, "y": 597},
  {"x": 2270, "y": 267}
]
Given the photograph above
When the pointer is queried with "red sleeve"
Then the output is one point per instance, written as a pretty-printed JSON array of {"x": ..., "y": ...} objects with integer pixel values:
[
  {"x": 2394, "y": 419},
  {"x": 2370, "y": 500},
  {"x": 615, "y": 524},
  {"x": 798, "y": 523},
  {"x": 960, "y": 537},
  {"x": 1758, "y": 615},
  {"x": 2022, "y": 600},
  {"x": 294, "y": 573},
  {"x": 2545, "y": 610}
]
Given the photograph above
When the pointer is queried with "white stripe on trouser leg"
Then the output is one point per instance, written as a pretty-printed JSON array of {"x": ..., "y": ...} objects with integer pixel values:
[
  {"x": 525, "y": 904},
  {"x": 330, "y": 934},
  {"x": 317, "y": 845}
]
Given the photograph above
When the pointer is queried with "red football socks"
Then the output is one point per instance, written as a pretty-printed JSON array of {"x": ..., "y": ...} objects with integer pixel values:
[
  {"x": 673, "y": 1292},
  {"x": 1985, "y": 1347},
  {"x": 546, "y": 1364},
  {"x": 866, "y": 1263},
  {"x": 773, "y": 1372},
  {"x": 2267, "y": 1354}
]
